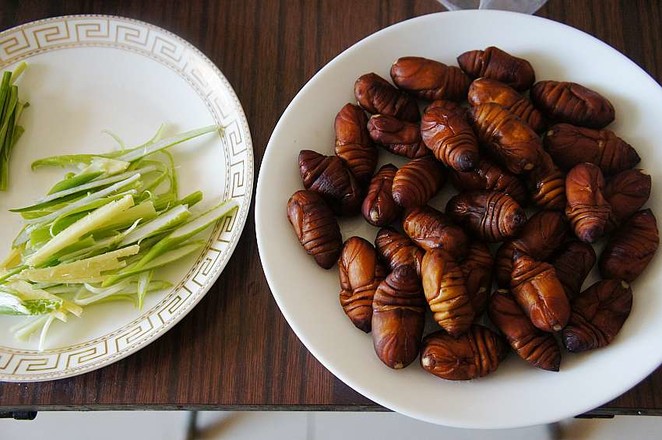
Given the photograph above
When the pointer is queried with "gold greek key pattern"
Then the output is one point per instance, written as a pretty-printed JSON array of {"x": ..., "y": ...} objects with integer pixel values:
[
  {"x": 206, "y": 266},
  {"x": 133, "y": 334},
  {"x": 87, "y": 354},
  {"x": 131, "y": 36},
  {"x": 237, "y": 179},
  {"x": 14, "y": 43},
  {"x": 92, "y": 31},
  {"x": 38, "y": 364},
  {"x": 20, "y": 43},
  {"x": 57, "y": 33}
]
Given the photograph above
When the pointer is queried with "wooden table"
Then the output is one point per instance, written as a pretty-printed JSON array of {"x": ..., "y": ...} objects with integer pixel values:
[{"x": 235, "y": 350}]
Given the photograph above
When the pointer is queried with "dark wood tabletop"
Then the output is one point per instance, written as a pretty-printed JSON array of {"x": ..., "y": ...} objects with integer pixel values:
[{"x": 235, "y": 350}]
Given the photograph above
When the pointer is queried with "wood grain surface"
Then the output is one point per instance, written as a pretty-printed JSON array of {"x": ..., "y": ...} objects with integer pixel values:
[{"x": 235, "y": 350}]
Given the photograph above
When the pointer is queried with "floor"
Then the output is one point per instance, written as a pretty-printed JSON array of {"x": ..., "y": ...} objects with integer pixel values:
[{"x": 208, "y": 425}]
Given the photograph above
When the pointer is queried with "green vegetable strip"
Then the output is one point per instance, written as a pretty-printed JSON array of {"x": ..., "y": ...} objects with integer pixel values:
[
  {"x": 161, "y": 176},
  {"x": 142, "y": 212},
  {"x": 92, "y": 250},
  {"x": 81, "y": 270},
  {"x": 47, "y": 207},
  {"x": 63, "y": 220},
  {"x": 99, "y": 294},
  {"x": 190, "y": 229},
  {"x": 6, "y": 152},
  {"x": 192, "y": 199},
  {"x": 74, "y": 181},
  {"x": 98, "y": 167},
  {"x": 10, "y": 273},
  {"x": 24, "y": 236},
  {"x": 165, "y": 221},
  {"x": 18, "y": 132},
  {"x": 11, "y": 100},
  {"x": 66, "y": 160},
  {"x": 4, "y": 91},
  {"x": 175, "y": 238},
  {"x": 18, "y": 71},
  {"x": 78, "y": 246},
  {"x": 7, "y": 135},
  {"x": 143, "y": 284},
  {"x": 162, "y": 203},
  {"x": 85, "y": 187},
  {"x": 174, "y": 185},
  {"x": 168, "y": 257},
  {"x": 82, "y": 205},
  {"x": 62, "y": 223},
  {"x": 90, "y": 198},
  {"x": 166, "y": 143},
  {"x": 78, "y": 229},
  {"x": 10, "y": 112},
  {"x": 155, "y": 138}
]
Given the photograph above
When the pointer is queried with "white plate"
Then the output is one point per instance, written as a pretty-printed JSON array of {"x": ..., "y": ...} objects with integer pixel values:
[
  {"x": 87, "y": 74},
  {"x": 516, "y": 394}
]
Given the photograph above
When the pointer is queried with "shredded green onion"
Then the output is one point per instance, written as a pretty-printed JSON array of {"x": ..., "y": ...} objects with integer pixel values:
[
  {"x": 102, "y": 233},
  {"x": 11, "y": 109}
]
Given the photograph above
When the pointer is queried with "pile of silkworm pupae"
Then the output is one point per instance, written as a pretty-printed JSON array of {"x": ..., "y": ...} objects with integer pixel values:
[{"x": 507, "y": 143}]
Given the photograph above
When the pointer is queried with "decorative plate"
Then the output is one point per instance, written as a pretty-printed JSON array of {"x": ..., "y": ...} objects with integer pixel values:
[
  {"x": 90, "y": 74},
  {"x": 516, "y": 394}
]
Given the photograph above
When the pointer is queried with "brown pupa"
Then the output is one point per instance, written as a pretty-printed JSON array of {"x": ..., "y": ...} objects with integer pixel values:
[
  {"x": 484, "y": 90},
  {"x": 396, "y": 249},
  {"x": 570, "y": 145},
  {"x": 378, "y": 207},
  {"x": 498, "y": 64},
  {"x": 329, "y": 176},
  {"x": 539, "y": 292},
  {"x": 360, "y": 273},
  {"x": 398, "y": 317},
  {"x": 399, "y": 137},
  {"x": 445, "y": 288},
  {"x": 447, "y": 133},
  {"x": 490, "y": 177},
  {"x": 315, "y": 226},
  {"x": 377, "y": 96},
  {"x": 430, "y": 79},
  {"x": 509, "y": 140},
  {"x": 540, "y": 236},
  {"x": 353, "y": 143},
  {"x": 631, "y": 249},
  {"x": 489, "y": 215},
  {"x": 574, "y": 103},
  {"x": 547, "y": 184},
  {"x": 429, "y": 228},
  {"x": 535, "y": 346},
  {"x": 474, "y": 354},
  {"x": 627, "y": 192},
  {"x": 416, "y": 182},
  {"x": 587, "y": 209},
  {"x": 598, "y": 314}
]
